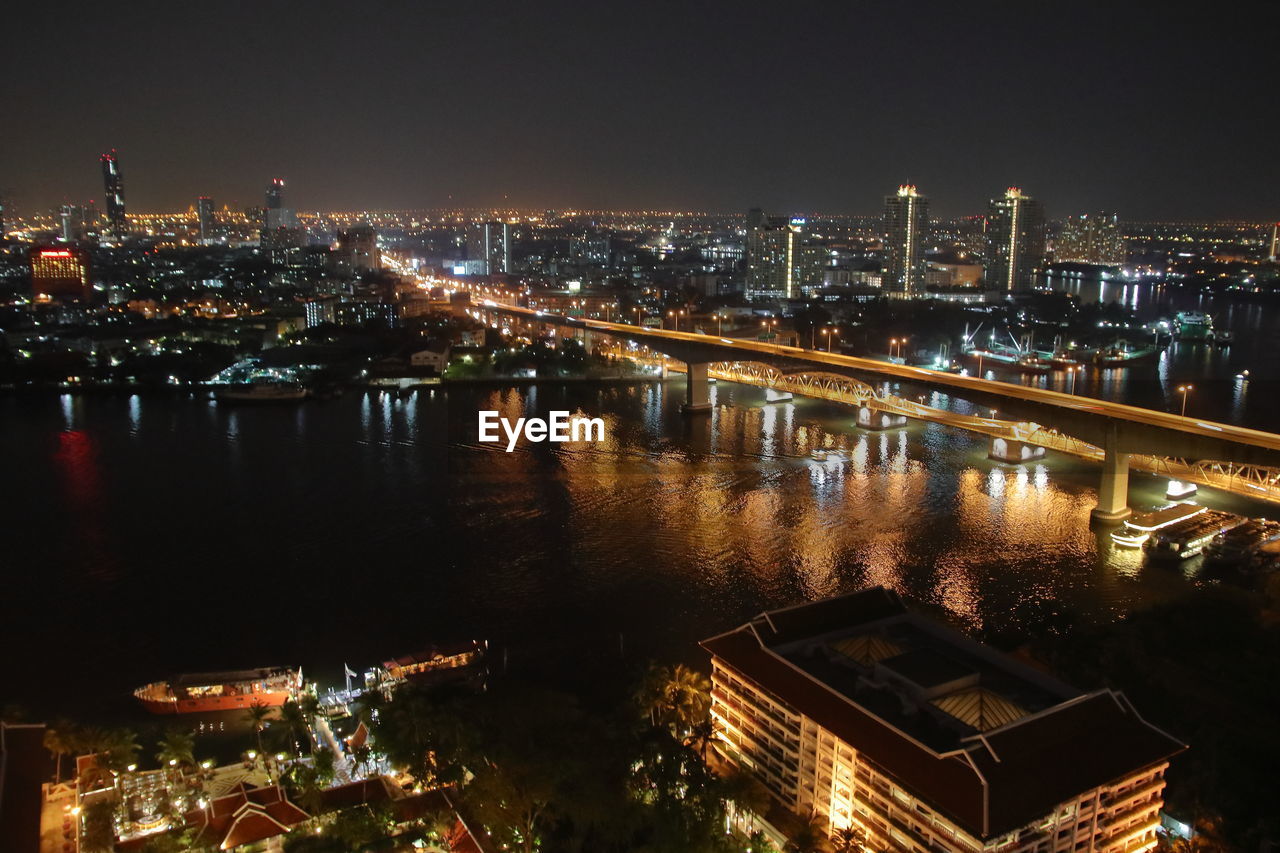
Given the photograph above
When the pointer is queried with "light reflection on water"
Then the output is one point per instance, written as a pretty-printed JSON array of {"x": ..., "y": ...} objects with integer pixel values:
[{"x": 358, "y": 527}]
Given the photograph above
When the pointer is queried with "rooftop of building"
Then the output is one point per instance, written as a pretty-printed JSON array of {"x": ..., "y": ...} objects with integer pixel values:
[{"x": 991, "y": 741}]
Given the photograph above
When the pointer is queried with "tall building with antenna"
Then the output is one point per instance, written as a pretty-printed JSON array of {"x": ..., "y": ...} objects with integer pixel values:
[{"x": 113, "y": 186}]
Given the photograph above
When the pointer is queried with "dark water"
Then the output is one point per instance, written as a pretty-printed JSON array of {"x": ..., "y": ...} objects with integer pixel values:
[
  {"x": 146, "y": 536},
  {"x": 1218, "y": 394}
]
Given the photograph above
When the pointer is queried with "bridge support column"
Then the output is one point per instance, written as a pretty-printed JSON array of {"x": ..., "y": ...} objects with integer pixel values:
[
  {"x": 869, "y": 418},
  {"x": 772, "y": 395},
  {"x": 697, "y": 398},
  {"x": 1113, "y": 491},
  {"x": 1014, "y": 451}
]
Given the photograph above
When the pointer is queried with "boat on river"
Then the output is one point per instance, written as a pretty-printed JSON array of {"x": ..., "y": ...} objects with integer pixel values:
[
  {"x": 238, "y": 690},
  {"x": 1138, "y": 529},
  {"x": 1193, "y": 326},
  {"x": 261, "y": 392}
]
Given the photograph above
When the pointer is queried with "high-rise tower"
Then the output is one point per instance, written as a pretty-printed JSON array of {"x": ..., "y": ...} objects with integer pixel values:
[
  {"x": 204, "y": 213},
  {"x": 113, "y": 186},
  {"x": 1015, "y": 240},
  {"x": 906, "y": 227},
  {"x": 278, "y": 216}
]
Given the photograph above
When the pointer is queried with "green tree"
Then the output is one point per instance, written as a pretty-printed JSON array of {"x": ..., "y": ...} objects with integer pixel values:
[
  {"x": 177, "y": 749},
  {"x": 256, "y": 716},
  {"x": 677, "y": 697},
  {"x": 59, "y": 739},
  {"x": 295, "y": 722},
  {"x": 98, "y": 832}
]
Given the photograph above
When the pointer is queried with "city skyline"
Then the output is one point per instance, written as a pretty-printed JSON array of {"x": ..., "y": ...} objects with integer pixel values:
[{"x": 442, "y": 107}]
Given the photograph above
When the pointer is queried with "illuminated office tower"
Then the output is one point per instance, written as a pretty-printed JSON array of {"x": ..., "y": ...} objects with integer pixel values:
[
  {"x": 208, "y": 223},
  {"x": 906, "y": 227},
  {"x": 61, "y": 271},
  {"x": 774, "y": 255},
  {"x": 490, "y": 244},
  {"x": 278, "y": 216},
  {"x": 1015, "y": 240},
  {"x": 113, "y": 186},
  {"x": 1091, "y": 239}
]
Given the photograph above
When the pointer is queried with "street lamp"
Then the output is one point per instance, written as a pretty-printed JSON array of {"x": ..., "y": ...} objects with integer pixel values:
[
  {"x": 1184, "y": 390},
  {"x": 830, "y": 333},
  {"x": 1071, "y": 371},
  {"x": 719, "y": 323}
]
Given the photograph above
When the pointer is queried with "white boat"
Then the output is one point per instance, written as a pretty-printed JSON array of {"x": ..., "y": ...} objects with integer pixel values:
[
  {"x": 1138, "y": 530},
  {"x": 261, "y": 392}
]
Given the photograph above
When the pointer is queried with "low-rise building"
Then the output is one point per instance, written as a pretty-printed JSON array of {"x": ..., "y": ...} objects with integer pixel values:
[{"x": 877, "y": 719}]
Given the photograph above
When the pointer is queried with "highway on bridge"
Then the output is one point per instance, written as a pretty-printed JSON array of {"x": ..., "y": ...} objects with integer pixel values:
[{"x": 739, "y": 349}]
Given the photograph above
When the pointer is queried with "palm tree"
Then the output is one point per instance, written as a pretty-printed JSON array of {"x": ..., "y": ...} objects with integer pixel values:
[
  {"x": 59, "y": 739},
  {"x": 849, "y": 840},
  {"x": 295, "y": 722},
  {"x": 120, "y": 753},
  {"x": 678, "y": 697},
  {"x": 810, "y": 838},
  {"x": 256, "y": 716},
  {"x": 177, "y": 749}
]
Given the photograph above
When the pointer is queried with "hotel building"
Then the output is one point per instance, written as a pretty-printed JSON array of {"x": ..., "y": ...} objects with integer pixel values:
[
  {"x": 870, "y": 716},
  {"x": 60, "y": 271},
  {"x": 906, "y": 227},
  {"x": 1015, "y": 240}
]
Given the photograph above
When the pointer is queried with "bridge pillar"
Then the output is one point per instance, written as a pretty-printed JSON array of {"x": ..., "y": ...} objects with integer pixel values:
[
  {"x": 697, "y": 398},
  {"x": 773, "y": 395},
  {"x": 869, "y": 418},
  {"x": 1113, "y": 491},
  {"x": 1012, "y": 450}
]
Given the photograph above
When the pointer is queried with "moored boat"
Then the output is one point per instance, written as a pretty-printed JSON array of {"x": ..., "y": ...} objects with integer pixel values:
[
  {"x": 261, "y": 392},
  {"x": 442, "y": 662},
  {"x": 1193, "y": 326},
  {"x": 1187, "y": 538},
  {"x": 194, "y": 693},
  {"x": 1139, "y": 528}
]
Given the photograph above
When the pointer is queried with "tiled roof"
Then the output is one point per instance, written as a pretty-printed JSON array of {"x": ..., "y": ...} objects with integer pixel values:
[{"x": 993, "y": 768}]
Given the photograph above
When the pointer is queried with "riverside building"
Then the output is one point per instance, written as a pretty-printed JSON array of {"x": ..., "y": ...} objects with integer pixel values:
[{"x": 872, "y": 717}]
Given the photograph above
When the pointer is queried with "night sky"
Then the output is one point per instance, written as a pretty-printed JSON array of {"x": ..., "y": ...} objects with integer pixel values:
[{"x": 796, "y": 107}]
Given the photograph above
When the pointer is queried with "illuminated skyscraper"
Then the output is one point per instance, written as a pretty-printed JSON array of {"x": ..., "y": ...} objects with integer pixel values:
[
  {"x": 278, "y": 216},
  {"x": 1015, "y": 240},
  {"x": 208, "y": 223},
  {"x": 490, "y": 242},
  {"x": 774, "y": 258},
  {"x": 113, "y": 186},
  {"x": 73, "y": 220},
  {"x": 1091, "y": 238},
  {"x": 61, "y": 271},
  {"x": 906, "y": 227}
]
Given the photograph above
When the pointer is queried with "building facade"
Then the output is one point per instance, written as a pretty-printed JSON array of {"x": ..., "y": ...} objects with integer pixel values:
[
  {"x": 906, "y": 228},
  {"x": 1015, "y": 241},
  {"x": 1090, "y": 239},
  {"x": 775, "y": 258},
  {"x": 60, "y": 272},
  {"x": 206, "y": 219},
  {"x": 873, "y": 718},
  {"x": 490, "y": 244},
  {"x": 113, "y": 187},
  {"x": 356, "y": 250}
]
